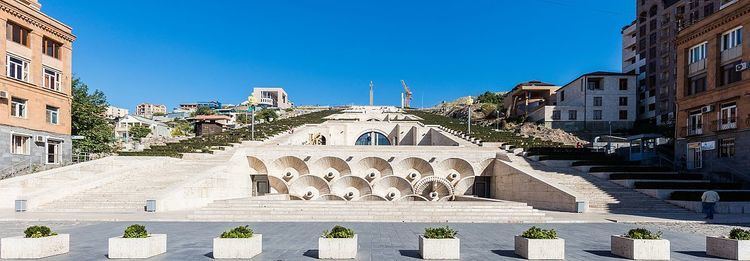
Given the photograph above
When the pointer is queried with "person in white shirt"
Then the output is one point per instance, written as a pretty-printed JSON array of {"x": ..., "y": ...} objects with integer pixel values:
[{"x": 709, "y": 199}]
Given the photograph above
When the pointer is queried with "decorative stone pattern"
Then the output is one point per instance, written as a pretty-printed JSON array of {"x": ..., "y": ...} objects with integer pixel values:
[
  {"x": 337, "y": 248},
  {"x": 648, "y": 249},
  {"x": 21, "y": 247},
  {"x": 153, "y": 245},
  {"x": 439, "y": 249},
  {"x": 550, "y": 249},
  {"x": 237, "y": 248},
  {"x": 728, "y": 248}
]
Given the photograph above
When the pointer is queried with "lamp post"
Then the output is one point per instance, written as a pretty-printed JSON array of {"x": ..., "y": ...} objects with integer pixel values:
[
  {"x": 469, "y": 102},
  {"x": 251, "y": 102}
]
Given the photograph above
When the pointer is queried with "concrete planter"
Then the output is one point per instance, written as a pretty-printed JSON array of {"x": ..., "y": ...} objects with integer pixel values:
[
  {"x": 22, "y": 248},
  {"x": 551, "y": 249},
  {"x": 337, "y": 248},
  {"x": 154, "y": 244},
  {"x": 448, "y": 248},
  {"x": 728, "y": 248},
  {"x": 640, "y": 249},
  {"x": 238, "y": 248}
]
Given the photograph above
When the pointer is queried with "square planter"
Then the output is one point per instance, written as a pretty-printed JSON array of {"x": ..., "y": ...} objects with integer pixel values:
[
  {"x": 337, "y": 248},
  {"x": 640, "y": 249},
  {"x": 728, "y": 248},
  {"x": 154, "y": 244},
  {"x": 238, "y": 248},
  {"x": 21, "y": 247},
  {"x": 449, "y": 248},
  {"x": 550, "y": 249}
]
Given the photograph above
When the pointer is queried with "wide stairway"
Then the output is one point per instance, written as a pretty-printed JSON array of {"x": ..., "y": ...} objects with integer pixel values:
[{"x": 247, "y": 209}]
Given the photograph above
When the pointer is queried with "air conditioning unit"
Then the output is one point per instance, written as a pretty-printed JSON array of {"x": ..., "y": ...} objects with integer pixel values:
[
  {"x": 742, "y": 66},
  {"x": 39, "y": 138},
  {"x": 3, "y": 95},
  {"x": 707, "y": 109}
]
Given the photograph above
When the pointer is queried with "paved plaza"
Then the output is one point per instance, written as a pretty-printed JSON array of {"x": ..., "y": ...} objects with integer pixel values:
[{"x": 377, "y": 241}]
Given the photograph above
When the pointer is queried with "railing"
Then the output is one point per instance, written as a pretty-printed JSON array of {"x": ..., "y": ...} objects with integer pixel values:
[
  {"x": 17, "y": 168},
  {"x": 724, "y": 124},
  {"x": 731, "y": 53},
  {"x": 696, "y": 67},
  {"x": 685, "y": 131},
  {"x": 266, "y": 101}
]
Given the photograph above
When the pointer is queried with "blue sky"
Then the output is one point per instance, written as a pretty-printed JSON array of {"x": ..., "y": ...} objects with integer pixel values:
[{"x": 326, "y": 51}]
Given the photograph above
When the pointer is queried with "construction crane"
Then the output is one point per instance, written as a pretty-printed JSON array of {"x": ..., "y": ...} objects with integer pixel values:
[{"x": 405, "y": 96}]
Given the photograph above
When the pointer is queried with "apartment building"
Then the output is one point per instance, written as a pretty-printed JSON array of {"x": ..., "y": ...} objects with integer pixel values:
[
  {"x": 148, "y": 110},
  {"x": 713, "y": 101},
  {"x": 272, "y": 97},
  {"x": 657, "y": 23},
  {"x": 526, "y": 97},
  {"x": 593, "y": 102},
  {"x": 115, "y": 112},
  {"x": 195, "y": 105},
  {"x": 632, "y": 63},
  {"x": 35, "y": 93}
]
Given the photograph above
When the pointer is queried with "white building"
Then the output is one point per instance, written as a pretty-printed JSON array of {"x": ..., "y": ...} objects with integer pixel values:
[
  {"x": 632, "y": 63},
  {"x": 115, "y": 112},
  {"x": 272, "y": 97},
  {"x": 592, "y": 102},
  {"x": 158, "y": 129}
]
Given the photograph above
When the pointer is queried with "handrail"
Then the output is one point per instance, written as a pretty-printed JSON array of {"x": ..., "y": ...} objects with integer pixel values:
[{"x": 15, "y": 168}]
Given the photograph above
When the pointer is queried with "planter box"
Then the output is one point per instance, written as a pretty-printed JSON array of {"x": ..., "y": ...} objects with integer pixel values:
[
  {"x": 449, "y": 248},
  {"x": 551, "y": 249},
  {"x": 638, "y": 249},
  {"x": 21, "y": 247},
  {"x": 238, "y": 248},
  {"x": 154, "y": 244},
  {"x": 728, "y": 248},
  {"x": 337, "y": 248}
]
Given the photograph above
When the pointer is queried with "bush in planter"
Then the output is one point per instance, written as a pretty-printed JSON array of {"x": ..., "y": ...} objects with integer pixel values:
[
  {"x": 135, "y": 231},
  {"x": 739, "y": 234},
  {"x": 238, "y": 232},
  {"x": 38, "y": 231},
  {"x": 642, "y": 233},
  {"x": 339, "y": 232},
  {"x": 439, "y": 232},
  {"x": 538, "y": 233}
]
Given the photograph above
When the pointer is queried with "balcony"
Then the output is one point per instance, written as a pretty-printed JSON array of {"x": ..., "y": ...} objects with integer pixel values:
[
  {"x": 266, "y": 101},
  {"x": 731, "y": 54},
  {"x": 725, "y": 124},
  {"x": 693, "y": 131},
  {"x": 697, "y": 67}
]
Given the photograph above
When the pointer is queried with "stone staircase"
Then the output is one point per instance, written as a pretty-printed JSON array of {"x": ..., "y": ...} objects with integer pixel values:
[{"x": 248, "y": 209}]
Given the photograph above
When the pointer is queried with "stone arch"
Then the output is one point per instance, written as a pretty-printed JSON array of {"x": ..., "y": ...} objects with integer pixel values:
[
  {"x": 257, "y": 166},
  {"x": 331, "y": 168},
  {"x": 289, "y": 168},
  {"x": 373, "y": 137},
  {"x": 413, "y": 169},
  {"x": 350, "y": 187},
  {"x": 454, "y": 169},
  {"x": 309, "y": 187},
  {"x": 392, "y": 187},
  {"x": 372, "y": 168}
]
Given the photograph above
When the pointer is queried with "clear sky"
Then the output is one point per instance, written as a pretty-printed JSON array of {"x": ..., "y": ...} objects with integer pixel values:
[{"x": 326, "y": 51}]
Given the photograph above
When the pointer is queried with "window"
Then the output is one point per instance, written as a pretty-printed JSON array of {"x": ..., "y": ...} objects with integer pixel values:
[
  {"x": 17, "y": 68},
  {"x": 17, "y": 33},
  {"x": 695, "y": 123},
  {"x": 51, "y": 79},
  {"x": 726, "y": 148},
  {"x": 597, "y": 115},
  {"x": 623, "y": 101},
  {"x": 53, "y": 152},
  {"x": 572, "y": 115},
  {"x": 728, "y": 116},
  {"x": 20, "y": 144},
  {"x": 372, "y": 138},
  {"x": 731, "y": 39},
  {"x": 594, "y": 84},
  {"x": 624, "y": 115},
  {"x": 18, "y": 108},
  {"x": 728, "y": 74},
  {"x": 598, "y": 101},
  {"x": 708, "y": 9},
  {"x": 51, "y": 47},
  {"x": 697, "y": 53},
  {"x": 652, "y": 107},
  {"x": 697, "y": 84},
  {"x": 623, "y": 84},
  {"x": 556, "y": 115},
  {"x": 562, "y": 95},
  {"x": 53, "y": 114}
]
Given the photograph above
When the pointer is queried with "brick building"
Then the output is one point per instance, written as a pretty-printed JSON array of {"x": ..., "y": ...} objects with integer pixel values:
[
  {"x": 35, "y": 93},
  {"x": 713, "y": 98}
]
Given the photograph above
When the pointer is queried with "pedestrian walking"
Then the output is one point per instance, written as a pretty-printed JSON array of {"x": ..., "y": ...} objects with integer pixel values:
[{"x": 709, "y": 199}]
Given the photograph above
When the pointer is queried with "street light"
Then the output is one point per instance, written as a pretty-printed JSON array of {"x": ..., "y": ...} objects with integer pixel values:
[
  {"x": 251, "y": 102},
  {"x": 469, "y": 102}
]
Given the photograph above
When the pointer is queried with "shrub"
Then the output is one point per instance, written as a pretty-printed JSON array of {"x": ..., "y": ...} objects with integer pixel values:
[
  {"x": 538, "y": 233},
  {"x": 238, "y": 232},
  {"x": 439, "y": 232},
  {"x": 135, "y": 231},
  {"x": 339, "y": 232},
  {"x": 38, "y": 231},
  {"x": 642, "y": 233},
  {"x": 739, "y": 234}
]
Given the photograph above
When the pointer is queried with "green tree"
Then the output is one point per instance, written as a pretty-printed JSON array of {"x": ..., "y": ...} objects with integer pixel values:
[
  {"x": 203, "y": 110},
  {"x": 266, "y": 114},
  {"x": 181, "y": 128},
  {"x": 490, "y": 97},
  {"x": 89, "y": 121},
  {"x": 138, "y": 132}
]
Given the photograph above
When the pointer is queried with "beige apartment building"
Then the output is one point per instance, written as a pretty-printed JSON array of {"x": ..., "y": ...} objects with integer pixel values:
[
  {"x": 35, "y": 92},
  {"x": 148, "y": 110}
]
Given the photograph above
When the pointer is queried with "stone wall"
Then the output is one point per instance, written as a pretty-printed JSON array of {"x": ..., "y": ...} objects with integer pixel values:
[
  {"x": 38, "y": 150},
  {"x": 516, "y": 183}
]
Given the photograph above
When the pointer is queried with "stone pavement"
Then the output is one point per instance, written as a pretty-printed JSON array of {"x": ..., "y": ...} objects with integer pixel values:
[{"x": 377, "y": 241}]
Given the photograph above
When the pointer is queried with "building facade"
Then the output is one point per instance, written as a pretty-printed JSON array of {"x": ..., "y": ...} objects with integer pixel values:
[
  {"x": 115, "y": 112},
  {"x": 713, "y": 101},
  {"x": 657, "y": 23},
  {"x": 148, "y": 110},
  {"x": 195, "y": 105},
  {"x": 158, "y": 129},
  {"x": 272, "y": 97},
  {"x": 526, "y": 97},
  {"x": 632, "y": 63},
  {"x": 595, "y": 102},
  {"x": 35, "y": 92}
]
